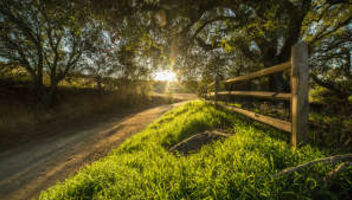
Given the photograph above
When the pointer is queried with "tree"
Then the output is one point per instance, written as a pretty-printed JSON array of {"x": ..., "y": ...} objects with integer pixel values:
[
  {"x": 249, "y": 35},
  {"x": 21, "y": 38},
  {"x": 46, "y": 36},
  {"x": 69, "y": 34},
  {"x": 262, "y": 32}
]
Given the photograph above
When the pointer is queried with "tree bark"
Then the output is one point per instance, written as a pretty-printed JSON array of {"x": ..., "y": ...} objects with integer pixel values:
[
  {"x": 39, "y": 90},
  {"x": 52, "y": 92},
  {"x": 39, "y": 85}
]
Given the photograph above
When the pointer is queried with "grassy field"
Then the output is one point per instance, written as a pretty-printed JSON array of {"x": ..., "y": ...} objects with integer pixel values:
[{"x": 238, "y": 167}]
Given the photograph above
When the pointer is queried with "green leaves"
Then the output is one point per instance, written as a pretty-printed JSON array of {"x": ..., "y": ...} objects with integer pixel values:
[{"x": 225, "y": 45}]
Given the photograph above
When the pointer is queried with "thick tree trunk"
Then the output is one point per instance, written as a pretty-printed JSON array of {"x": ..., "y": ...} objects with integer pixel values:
[
  {"x": 38, "y": 87},
  {"x": 52, "y": 92},
  {"x": 54, "y": 81},
  {"x": 277, "y": 82},
  {"x": 38, "y": 77},
  {"x": 98, "y": 83}
]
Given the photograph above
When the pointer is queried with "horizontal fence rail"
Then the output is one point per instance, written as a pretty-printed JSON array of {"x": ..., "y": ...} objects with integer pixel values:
[
  {"x": 259, "y": 94},
  {"x": 298, "y": 127},
  {"x": 257, "y": 74},
  {"x": 277, "y": 123}
]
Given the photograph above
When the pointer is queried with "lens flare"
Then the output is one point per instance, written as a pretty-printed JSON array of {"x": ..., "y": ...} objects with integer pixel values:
[{"x": 166, "y": 75}]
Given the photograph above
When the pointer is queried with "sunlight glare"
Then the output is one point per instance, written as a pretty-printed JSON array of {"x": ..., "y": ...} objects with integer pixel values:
[{"x": 165, "y": 76}]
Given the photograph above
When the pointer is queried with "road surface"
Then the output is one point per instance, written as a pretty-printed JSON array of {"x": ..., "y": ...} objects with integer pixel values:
[{"x": 27, "y": 170}]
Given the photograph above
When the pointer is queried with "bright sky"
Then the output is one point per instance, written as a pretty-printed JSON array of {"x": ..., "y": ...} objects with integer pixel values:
[{"x": 165, "y": 75}]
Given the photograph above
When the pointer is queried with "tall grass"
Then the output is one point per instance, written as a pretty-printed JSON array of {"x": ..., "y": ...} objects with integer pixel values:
[
  {"x": 76, "y": 97},
  {"x": 20, "y": 111},
  {"x": 238, "y": 167}
]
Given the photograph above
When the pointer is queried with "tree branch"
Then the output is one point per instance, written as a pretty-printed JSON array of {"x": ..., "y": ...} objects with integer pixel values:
[
  {"x": 219, "y": 18},
  {"x": 322, "y": 34}
]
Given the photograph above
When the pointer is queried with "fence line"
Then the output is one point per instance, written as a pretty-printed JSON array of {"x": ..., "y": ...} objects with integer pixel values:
[
  {"x": 257, "y": 74},
  {"x": 259, "y": 94},
  {"x": 298, "y": 127}
]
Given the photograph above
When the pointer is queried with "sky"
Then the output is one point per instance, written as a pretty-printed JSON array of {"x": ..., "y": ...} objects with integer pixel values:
[{"x": 165, "y": 75}]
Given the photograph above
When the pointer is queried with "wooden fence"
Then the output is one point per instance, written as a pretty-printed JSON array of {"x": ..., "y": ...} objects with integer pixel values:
[{"x": 298, "y": 127}]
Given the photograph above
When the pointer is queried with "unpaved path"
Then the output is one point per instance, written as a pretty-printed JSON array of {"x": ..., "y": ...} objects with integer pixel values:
[{"x": 25, "y": 171}]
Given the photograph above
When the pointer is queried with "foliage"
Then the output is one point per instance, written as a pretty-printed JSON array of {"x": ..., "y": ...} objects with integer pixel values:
[
  {"x": 246, "y": 35},
  {"x": 331, "y": 65},
  {"x": 21, "y": 37},
  {"x": 102, "y": 62},
  {"x": 198, "y": 38},
  {"x": 69, "y": 35},
  {"x": 51, "y": 37},
  {"x": 143, "y": 168},
  {"x": 330, "y": 129},
  {"x": 44, "y": 37}
]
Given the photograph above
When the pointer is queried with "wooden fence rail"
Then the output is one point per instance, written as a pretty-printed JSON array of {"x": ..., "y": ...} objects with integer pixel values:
[
  {"x": 259, "y": 94},
  {"x": 298, "y": 127}
]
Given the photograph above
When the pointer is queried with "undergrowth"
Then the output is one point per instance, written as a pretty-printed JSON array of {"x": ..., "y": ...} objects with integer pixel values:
[{"x": 239, "y": 167}]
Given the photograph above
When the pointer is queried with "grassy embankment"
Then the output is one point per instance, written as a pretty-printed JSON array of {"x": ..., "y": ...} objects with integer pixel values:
[
  {"x": 330, "y": 117},
  {"x": 238, "y": 167}
]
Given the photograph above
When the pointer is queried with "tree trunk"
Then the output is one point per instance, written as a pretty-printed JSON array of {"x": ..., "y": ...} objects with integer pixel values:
[
  {"x": 52, "y": 92},
  {"x": 39, "y": 83},
  {"x": 38, "y": 87},
  {"x": 277, "y": 82},
  {"x": 98, "y": 83}
]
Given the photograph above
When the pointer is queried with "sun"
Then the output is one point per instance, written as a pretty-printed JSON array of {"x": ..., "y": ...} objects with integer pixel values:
[{"x": 165, "y": 75}]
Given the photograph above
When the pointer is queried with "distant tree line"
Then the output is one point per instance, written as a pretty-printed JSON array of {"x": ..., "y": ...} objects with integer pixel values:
[{"x": 56, "y": 38}]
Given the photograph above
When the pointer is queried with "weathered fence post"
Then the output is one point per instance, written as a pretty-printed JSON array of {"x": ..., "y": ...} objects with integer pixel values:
[
  {"x": 299, "y": 89},
  {"x": 216, "y": 89}
]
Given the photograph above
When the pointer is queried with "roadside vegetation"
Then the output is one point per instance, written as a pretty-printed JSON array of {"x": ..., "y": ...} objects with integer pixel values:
[
  {"x": 238, "y": 167},
  {"x": 77, "y": 99},
  {"x": 326, "y": 128},
  {"x": 57, "y": 64}
]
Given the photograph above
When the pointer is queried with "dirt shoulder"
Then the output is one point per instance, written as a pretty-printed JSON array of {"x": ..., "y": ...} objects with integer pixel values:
[
  {"x": 37, "y": 165},
  {"x": 74, "y": 116}
]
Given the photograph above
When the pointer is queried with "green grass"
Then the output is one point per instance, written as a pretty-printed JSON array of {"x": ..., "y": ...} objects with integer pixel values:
[{"x": 143, "y": 168}]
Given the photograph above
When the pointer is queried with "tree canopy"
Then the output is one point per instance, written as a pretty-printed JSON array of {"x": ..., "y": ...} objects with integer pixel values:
[{"x": 196, "y": 38}]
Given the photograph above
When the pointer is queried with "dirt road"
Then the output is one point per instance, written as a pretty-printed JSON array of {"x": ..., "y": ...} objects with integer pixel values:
[{"x": 27, "y": 170}]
